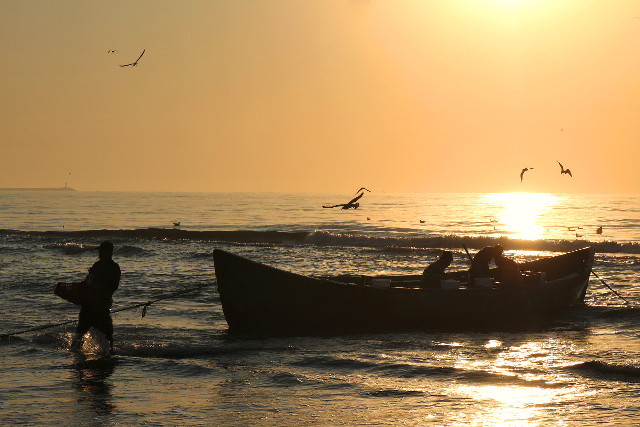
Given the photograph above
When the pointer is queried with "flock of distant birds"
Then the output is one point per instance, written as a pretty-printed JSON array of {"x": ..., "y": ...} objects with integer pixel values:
[
  {"x": 562, "y": 171},
  {"x": 355, "y": 204}
]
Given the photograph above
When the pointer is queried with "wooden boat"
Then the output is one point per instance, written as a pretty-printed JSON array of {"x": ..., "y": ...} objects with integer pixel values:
[{"x": 260, "y": 299}]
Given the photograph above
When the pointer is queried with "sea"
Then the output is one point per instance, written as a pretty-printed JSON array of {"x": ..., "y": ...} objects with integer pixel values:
[{"x": 175, "y": 362}]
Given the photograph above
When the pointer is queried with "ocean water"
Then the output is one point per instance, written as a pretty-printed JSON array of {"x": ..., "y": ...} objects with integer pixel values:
[{"x": 178, "y": 365}]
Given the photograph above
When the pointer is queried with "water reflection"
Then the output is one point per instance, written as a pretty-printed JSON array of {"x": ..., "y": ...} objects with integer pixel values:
[
  {"x": 521, "y": 214},
  {"x": 92, "y": 381}
]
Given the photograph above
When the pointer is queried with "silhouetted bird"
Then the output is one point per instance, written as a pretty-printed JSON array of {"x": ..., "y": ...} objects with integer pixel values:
[
  {"x": 176, "y": 224},
  {"x": 563, "y": 170},
  {"x": 112, "y": 51},
  {"x": 422, "y": 221},
  {"x": 522, "y": 173},
  {"x": 351, "y": 204},
  {"x": 599, "y": 230},
  {"x": 578, "y": 235},
  {"x": 133, "y": 64},
  {"x": 362, "y": 188}
]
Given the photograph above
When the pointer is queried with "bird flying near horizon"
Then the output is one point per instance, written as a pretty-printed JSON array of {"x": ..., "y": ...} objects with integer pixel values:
[
  {"x": 563, "y": 170},
  {"x": 134, "y": 63},
  {"x": 362, "y": 188},
  {"x": 522, "y": 173},
  {"x": 351, "y": 204}
]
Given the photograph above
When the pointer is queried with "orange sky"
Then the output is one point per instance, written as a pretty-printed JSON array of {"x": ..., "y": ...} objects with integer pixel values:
[{"x": 321, "y": 95}]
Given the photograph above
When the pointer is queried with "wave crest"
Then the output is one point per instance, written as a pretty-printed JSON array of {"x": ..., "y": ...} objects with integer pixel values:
[{"x": 325, "y": 238}]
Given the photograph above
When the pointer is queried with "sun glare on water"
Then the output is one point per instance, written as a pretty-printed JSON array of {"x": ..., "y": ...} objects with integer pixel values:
[{"x": 520, "y": 214}]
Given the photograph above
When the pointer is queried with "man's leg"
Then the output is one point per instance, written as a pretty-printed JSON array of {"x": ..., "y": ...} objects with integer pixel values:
[
  {"x": 84, "y": 323},
  {"x": 104, "y": 324}
]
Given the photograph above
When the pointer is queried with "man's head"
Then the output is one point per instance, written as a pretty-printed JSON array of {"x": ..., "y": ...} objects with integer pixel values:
[
  {"x": 447, "y": 256},
  {"x": 105, "y": 250},
  {"x": 497, "y": 250}
]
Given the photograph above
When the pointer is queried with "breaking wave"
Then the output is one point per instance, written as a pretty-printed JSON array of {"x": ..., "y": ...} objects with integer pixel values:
[
  {"x": 321, "y": 238},
  {"x": 608, "y": 371}
]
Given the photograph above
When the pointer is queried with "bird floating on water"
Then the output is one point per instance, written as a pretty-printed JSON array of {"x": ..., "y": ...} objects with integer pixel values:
[
  {"x": 563, "y": 170},
  {"x": 134, "y": 63},
  {"x": 522, "y": 173},
  {"x": 599, "y": 230},
  {"x": 176, "y": 225}
]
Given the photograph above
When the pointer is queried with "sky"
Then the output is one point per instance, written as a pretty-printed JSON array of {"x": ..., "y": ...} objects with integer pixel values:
[{"x": 321, "y": 95}]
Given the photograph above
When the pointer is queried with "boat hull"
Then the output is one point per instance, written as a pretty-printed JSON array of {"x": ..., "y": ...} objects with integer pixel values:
[{"x": 257, "y": 298}]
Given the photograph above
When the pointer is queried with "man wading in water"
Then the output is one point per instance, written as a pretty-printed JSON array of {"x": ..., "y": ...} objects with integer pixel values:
[{"x": 95, "y": 310}]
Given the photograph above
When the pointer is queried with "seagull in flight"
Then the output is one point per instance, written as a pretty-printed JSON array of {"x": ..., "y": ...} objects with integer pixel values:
[
  {"x": 563, "y": 170},
  {"x": 133, "y": 64},
  {"x": 351, "y": 204},
  {"x": 362, "y": 188},
  {"x": 522, "y": 173}
]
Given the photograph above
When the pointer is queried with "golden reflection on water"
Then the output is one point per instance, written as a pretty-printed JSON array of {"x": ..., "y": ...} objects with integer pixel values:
[
  {"x": 522, "y": 399},
  {"x": 521, "y": 213}
]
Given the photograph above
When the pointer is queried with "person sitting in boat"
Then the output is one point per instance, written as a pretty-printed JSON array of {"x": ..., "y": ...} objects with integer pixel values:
[
  {"x": 480, "y": 262},
  {"x": 508, "y": 272},
  {"x": 434, "y": 273}
]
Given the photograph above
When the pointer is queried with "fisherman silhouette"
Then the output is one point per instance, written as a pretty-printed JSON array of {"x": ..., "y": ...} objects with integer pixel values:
[
  {"x": 95, "y": 310},
  {"x": 434, "y": 273}
]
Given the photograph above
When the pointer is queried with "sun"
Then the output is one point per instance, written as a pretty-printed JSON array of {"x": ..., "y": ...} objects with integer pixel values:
[{"x": 520, "y": 214}]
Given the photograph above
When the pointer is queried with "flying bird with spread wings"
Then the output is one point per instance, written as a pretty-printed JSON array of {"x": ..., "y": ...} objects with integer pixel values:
[
  {"x": 134, "y": 63},
  {"x": 362, "y": 188},
  {"x": 563, "y": 170},
  {"x": 522, "y": 173},
  {"x": 351, "y": 204}
]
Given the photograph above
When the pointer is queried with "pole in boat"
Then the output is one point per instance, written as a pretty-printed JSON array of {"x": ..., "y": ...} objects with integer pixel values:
[
  {"x": 467, "y": 251},
  {"x": 610, "y": 288}
]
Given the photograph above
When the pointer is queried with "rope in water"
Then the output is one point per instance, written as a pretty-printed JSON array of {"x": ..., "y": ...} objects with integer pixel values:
[
  {"x": 610, "y": 288},
  {"x": 145, "y": 305}
]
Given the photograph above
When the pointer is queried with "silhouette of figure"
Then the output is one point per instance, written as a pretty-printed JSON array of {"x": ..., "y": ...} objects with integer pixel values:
[
  {"x": 434, "y": 273},
  {"x": 563, "y": 170},
  {"x": 134, "y": 63},
  {"x": 351, "y": 204},
  {"x": 481, "y": 260},
  {"x": 176, "y": 225},
  {"x": 95, "y": 310},
  {"x": 522, "y": 173},
  {"x": 508, "y": 272},
  {"x": 599, "y": 230}
]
